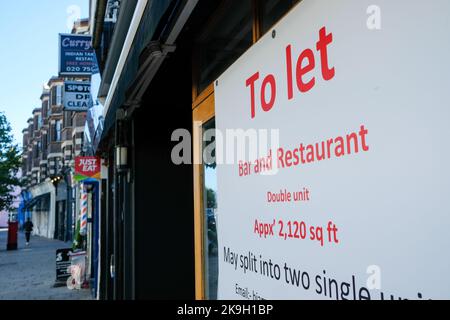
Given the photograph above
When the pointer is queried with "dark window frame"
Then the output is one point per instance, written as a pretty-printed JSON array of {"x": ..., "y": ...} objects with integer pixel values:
[{"x": 257, "y": 32}]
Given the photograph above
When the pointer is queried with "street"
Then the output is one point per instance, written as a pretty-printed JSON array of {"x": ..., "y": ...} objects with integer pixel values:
[{"x": 29, "y": 273}]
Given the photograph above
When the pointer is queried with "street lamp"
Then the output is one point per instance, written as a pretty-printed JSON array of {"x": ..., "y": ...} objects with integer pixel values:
[
  {"x": 121, "y": 158},
  {"x": 121, "y": 148}
]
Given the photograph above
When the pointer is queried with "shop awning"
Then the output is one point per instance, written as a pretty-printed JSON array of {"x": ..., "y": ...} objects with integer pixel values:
[{"x": 41, "y": 203}]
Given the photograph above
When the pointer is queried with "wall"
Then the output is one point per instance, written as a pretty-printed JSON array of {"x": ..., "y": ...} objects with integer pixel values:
[
  {"x": 44, "y": 222},
  {"x": 3, "y": 219}
]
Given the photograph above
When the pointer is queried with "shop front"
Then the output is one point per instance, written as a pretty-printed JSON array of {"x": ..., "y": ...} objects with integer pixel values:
[
  {"x": 42, "y": 209},
  {"x": 253, "y": 152},
  {"x": 162, "y": 239},
  {"x": 232, "y": 29},
  {"x": 88, "y": 187},
  {"x": 316, "y": 131}
]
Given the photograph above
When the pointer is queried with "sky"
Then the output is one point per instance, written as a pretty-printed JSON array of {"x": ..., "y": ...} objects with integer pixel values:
[{"x": 29, "y": 52}]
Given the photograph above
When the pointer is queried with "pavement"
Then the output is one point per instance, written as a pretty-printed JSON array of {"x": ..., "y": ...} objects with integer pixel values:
[{"x": 29, "y": 273}]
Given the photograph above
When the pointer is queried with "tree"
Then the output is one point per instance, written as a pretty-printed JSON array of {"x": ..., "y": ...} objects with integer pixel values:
[{"x": 10, "y": 163}]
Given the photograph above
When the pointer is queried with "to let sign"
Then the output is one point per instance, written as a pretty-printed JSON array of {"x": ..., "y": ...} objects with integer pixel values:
[
  {"x": 76, "y": 55},
  {"x": 77, "y": 96},
  {"x": 339, "y": 149},
  {"x": 87, "y": 168}
]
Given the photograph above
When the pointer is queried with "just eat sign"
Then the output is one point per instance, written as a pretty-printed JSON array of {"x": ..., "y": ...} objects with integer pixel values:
[{"x": 87, "y": 168}]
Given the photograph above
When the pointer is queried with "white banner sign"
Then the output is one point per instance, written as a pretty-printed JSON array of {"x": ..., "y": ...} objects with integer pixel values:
[
  {"x": 351, "y": 201},
  {"x": 77, "y": 96}
]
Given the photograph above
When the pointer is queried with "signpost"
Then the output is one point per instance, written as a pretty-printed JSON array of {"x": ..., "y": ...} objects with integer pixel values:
[
  {"x": 76, "y": 55},
  {"x": 352, "y": 202},
  {"x": 77, "y": 96}
]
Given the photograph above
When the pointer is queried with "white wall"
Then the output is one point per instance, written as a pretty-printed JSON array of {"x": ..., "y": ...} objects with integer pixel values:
[{"x": 44, "y": 222}]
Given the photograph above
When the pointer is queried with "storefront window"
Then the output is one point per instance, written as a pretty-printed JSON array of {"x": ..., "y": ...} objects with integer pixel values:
[
  {"x": 231, "y": 30},
  {"x": 226, "y": 37},
  {"x": 210, "y": 218},
  {"x": 274, "y": 10}
]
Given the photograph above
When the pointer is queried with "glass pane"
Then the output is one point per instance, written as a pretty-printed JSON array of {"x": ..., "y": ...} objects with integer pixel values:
[
  {"x": 59, "y": 95},
  {"x": 274, "y": 10},
  {"x": 210, "y": 215},
  {"x": 226, "y": 37}
]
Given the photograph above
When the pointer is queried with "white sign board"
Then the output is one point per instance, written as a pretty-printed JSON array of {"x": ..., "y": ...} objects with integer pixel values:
[
  {"x": 77, "y": 96},
  {"x": 357, "y": 203}
]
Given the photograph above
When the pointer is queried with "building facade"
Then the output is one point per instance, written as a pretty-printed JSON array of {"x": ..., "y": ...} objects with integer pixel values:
[
  {"x": 179, "y": 47},
  {"x": 51, "y": 141}
]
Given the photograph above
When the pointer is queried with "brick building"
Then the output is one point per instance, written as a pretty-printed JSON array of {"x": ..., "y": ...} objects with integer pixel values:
[{"x": 51, "y": 141}]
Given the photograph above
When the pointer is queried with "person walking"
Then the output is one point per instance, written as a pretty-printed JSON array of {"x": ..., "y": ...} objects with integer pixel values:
[{"x": 28, "y": 227}]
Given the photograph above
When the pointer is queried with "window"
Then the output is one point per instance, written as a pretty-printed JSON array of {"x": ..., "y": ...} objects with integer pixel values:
[
  {"x": 44, "y": 142},
  {"x": 273, "y": 10},
  {"x": 44, "y": 109},
  {"x": 233, "y": 28},
  {"x": 53, "y": 96},
  {"x": 39, "y": 121},
  {"x": 210, "y": 241},
  {"x": 57, "y": 131},
  {"x": 56, "y": 95},
  {"x": 112, "y": 11},
  {"x": 59, "y": 95},
  {"x": 226, "y": 36},
  {"x": 206, "y": 221},
  {"x": 67, "y": 119}
]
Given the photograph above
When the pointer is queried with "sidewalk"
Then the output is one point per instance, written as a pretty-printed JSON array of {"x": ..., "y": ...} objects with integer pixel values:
[{"x": 29, "y": 273}]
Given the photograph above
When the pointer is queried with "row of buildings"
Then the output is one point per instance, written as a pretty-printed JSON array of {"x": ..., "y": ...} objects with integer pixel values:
[
  {"x": 150, "y": 233},
  {"x": 52, "y": 140}
]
